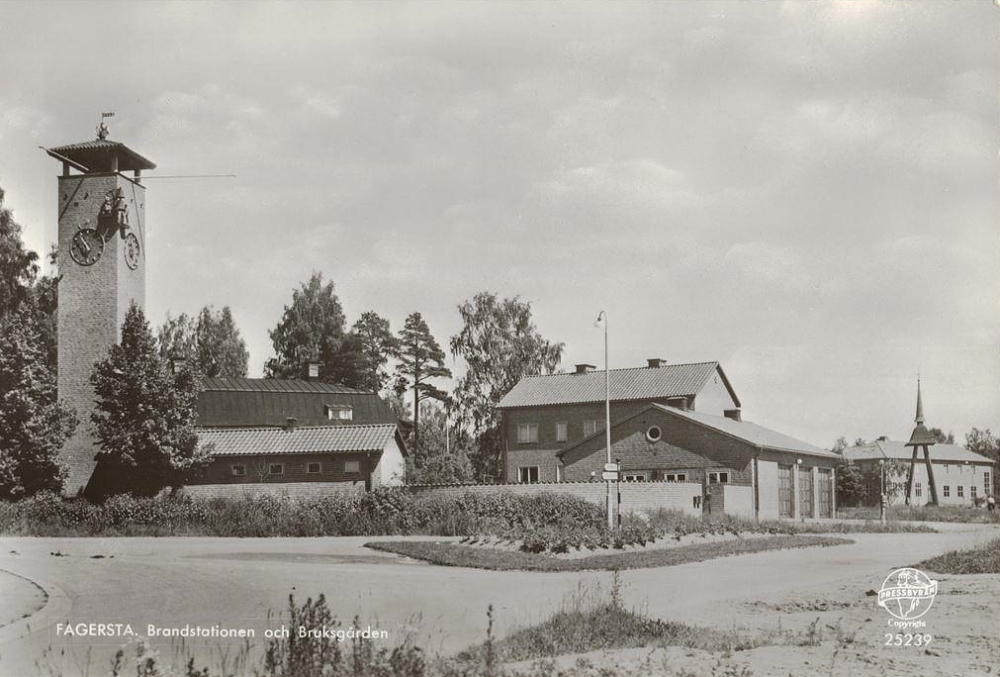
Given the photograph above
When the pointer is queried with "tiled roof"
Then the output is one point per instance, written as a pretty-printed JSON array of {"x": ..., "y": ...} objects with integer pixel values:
[
  {"x": 318, "y": 439},
  {"x": 274, "y": 385},
  {"x": 885, "y": 449},
  {"x": 96, "y": 155},
  {"x": 750, "y": 432},
  {"x": 641, "y": 383}
]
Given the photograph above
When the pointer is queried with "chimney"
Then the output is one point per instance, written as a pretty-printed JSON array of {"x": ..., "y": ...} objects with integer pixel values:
[
  {"x": 733, "y": 414},
  {"x": 654, "y": 363},
  {"x": 585, "y": 368},
  {"x": 176, "y": 364},
  {"x": 883, "y": 438},
  {"x": 312, "y": 371}
]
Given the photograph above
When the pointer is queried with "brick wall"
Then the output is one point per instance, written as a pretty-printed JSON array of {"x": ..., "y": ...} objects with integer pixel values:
[
  {"x": 573, "y": 415},
  {"x": 92, "y": 303},
  {"x": 290, "y": 489},
  {"x": 711, "y": 450},
  {"x": 544, "y": 459},
  {"x": 730, "y": 499},
  {"x": 637, "y": 497}
]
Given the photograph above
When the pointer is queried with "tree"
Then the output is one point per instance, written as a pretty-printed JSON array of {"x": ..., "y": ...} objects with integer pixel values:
[
  {"x": 941, "y": 438},
  {"x": 144, "y": 416},
  {"x": 839, "y": 445},
  {"x": 213, "y": 342},
  {"x": 375, "y": 345},
  {"x": 311, "y": 330},
  {"x": 18, "y": 265},
  {"x": 851, "y": 483},
  {"x": 420, "y": 360},
  {"x": 500, "y": 346},
  {"x": 445, "y": 449},
  {"x": 33, "y": 423},
  {"x": 983, "y": 442}
]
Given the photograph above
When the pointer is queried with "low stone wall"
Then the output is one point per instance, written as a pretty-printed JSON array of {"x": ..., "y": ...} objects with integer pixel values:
[
  {"x": 635, "y": 496},
  {"x": 290, "y": 489}
]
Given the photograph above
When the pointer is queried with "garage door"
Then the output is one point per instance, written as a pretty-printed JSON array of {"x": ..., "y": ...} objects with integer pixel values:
[
  {"x": 805, "y": 491},
  {"x": 785, "y": 494},
  {"x": 825, "y": 485}
]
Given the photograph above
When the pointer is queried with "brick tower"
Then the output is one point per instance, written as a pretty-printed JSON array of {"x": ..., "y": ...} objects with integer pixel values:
[{"x": 102, "y": 264}]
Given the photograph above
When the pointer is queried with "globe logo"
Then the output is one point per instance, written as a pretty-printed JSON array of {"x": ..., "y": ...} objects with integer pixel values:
[{"x": 907, "y": 594}]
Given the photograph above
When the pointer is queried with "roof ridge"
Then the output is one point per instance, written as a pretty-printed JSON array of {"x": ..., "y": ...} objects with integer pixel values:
[
  {"x": 281, "y": 428},
  {"x": 601, "y": 371}
]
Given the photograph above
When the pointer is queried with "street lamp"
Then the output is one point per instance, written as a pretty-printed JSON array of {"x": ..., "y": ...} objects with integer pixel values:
[
  {"x": 602, "y": 318},
  {"x": 881, "y": 490}
]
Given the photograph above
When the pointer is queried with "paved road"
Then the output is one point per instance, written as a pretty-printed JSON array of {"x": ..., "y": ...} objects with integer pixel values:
[{"x": 171, "y": 582}]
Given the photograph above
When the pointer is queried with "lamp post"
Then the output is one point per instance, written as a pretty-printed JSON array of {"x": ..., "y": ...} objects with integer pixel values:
[
  {"x": 881, "y": 490},
  {"x": 603, "y": 317}
]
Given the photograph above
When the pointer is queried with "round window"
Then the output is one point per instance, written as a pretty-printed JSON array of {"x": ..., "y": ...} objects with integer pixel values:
[{"x": 653, "y": 434}]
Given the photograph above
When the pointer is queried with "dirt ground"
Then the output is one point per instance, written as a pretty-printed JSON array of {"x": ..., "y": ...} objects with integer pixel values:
[{"x": 838, "y": 634}]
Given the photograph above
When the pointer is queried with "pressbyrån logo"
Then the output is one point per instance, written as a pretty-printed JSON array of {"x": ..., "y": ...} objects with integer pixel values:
[{"x": 907, "y": 594}]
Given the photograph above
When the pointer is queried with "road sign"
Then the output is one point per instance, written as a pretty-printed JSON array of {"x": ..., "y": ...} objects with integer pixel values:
[
  {"x": 610, "y": 476},
  {"x": 610, "y": 467}
]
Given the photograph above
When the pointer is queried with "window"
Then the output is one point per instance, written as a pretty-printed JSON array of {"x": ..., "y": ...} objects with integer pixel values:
[
  {"x": 654, "y": 433},
  {"x": 917, "y": 490},
  {"x": 634, "y": 476},
  {"x": 339, "y": 412},
  {"x": 961, "y": 491},
  {"x": 718, "y": 478},
  {"x": 561, "y": 429},
  {"x": 352, "y": 466},
  {"x": 313, "y": 468},
  {"x": 527, "y": 474},
  {"x": 676, "y": 477},
  {"x": 276, "y": 469},
  {"x": 589, "y": 428},
  {"x": 972, "y": 492},
  {"x": 527, "y": 433},
  {"x": 947, "y": 491},
  {"x": 986, "y": 483},
  {"x": 239, "y": 470}
]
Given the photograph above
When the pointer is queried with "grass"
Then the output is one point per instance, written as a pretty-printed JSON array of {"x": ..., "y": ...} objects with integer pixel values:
[
  {"x": 984, "y": 559},
  {"x": 926, "y": 513},
  {"x": 452, "y": 554}
]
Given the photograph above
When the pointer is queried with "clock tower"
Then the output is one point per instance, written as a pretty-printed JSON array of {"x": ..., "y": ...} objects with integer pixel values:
[{"x": 102, "y": 266}]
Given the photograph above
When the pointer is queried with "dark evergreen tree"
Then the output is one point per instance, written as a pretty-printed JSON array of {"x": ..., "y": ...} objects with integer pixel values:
[{"x": 145, "y": 416}]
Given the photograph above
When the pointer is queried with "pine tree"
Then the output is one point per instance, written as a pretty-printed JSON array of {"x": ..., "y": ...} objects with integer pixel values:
[
  {"x": 145, "y": 416},
  {"x": 420, "y": 360}
]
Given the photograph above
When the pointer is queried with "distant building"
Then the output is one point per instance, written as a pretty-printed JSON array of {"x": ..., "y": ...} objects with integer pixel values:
[
  {"x": 962, "y": 476},
  {"x": 673, "y": 423}
]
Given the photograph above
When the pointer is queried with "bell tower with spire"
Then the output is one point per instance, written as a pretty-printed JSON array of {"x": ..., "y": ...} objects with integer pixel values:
[
  {"x": 921, "y": 437},
  {"x": 102, "y": 266}
]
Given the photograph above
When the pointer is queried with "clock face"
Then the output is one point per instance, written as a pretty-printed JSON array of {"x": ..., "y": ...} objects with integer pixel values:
[
  {"x": 132, "y": 252},
  {"x": 86, "y": 247}
]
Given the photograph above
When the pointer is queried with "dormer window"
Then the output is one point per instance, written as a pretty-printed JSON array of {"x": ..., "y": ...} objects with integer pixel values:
[{"x": 339, "y": 412}]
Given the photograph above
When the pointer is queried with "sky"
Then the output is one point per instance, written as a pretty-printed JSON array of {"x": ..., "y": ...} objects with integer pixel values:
[{"x": 805, "y": 192}]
